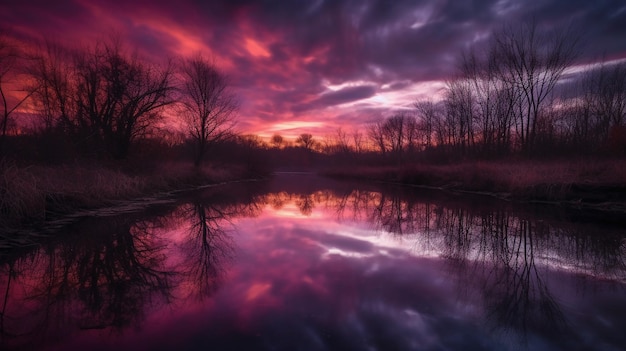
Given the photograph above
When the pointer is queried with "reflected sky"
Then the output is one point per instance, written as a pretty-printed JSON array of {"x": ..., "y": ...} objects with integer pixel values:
[{"x": 290, "y": 265}]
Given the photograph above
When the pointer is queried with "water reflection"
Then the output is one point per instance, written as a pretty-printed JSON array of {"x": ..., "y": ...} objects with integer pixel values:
[
  {"x": 106, "y": 274},
  {"x": 472, "y": 232},
  {"x": 296, "y": 264},
  {"x": 509, "y": 256},
  {"x": 104, "y": 277}
]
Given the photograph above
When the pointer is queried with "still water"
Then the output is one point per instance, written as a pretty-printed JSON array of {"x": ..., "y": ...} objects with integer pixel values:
[{"x": 306, "y": 263}]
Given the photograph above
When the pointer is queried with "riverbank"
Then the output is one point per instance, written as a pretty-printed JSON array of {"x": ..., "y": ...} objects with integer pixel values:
[
  {"x": 33, "y": 194},
  {"x": 592, "y": 184}
]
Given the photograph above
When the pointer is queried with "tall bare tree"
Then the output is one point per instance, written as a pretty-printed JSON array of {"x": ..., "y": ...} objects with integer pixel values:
[
  {"x": 358, "y": 141},
  {"x": 118, "y": 96},
  {"x": 341, "y": 141},
  {"x": 531, "y": 62},
  {"x": 492, "y": 102},
  {"x": 209, "y": 106}
]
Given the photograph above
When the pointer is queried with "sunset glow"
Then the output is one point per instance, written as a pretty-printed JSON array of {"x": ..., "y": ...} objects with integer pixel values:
[{"x": 313, "y": 68}]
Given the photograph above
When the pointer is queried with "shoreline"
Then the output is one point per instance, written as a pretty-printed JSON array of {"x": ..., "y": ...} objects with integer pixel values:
[
  {"x": 34, "y": 197},
  {"x": 605, "y": 193}
]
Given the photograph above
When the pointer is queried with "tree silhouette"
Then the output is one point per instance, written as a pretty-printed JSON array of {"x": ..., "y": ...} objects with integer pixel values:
[
  {"x": 208, "y": 106},
  {"x": 531, "y": 63},
  {"x": 54, "y": 97},
  {"x": 306, "y": 141},
  {"x": 395, "y": 135},
  {"x": 208, "y": 247},
  {"x": 118, "y": 95}
]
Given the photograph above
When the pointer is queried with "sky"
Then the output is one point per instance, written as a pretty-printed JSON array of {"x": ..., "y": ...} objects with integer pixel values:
[{"x": 315, "y": 65}]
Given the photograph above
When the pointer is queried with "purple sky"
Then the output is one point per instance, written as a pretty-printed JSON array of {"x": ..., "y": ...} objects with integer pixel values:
[{"x": 312, "y": 66}]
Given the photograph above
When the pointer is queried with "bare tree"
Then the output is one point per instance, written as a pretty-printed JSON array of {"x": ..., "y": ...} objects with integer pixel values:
[
  {"x": 208, "y": 246},
  {"x": 428, "y": 114},
  {"x": 395, "y": 135},
  {"x": 604, "y": 95},
  {"x": 118, "y": 96},
  {"x": 479, "y": 74},
  {"x": 341, "y": 141},
  {"x": 277, "y": 140},
  {"x": 306, "y": 141},
  {"x": 56, "y": 89},
  {"x": 531, "y": 63},
  {"x": 358, "y": 141},
  {"x": 209, "y": 107},
  {"x": 376, "y": 134}
]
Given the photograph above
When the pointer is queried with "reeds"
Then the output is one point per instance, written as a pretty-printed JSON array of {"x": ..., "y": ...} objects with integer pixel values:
[{"x": 29, "y": 194}]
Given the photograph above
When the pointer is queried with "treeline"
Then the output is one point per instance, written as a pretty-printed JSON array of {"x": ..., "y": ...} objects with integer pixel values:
[
  {"x": 522, "y": 95},
  {"x": 105, "y": 101}
]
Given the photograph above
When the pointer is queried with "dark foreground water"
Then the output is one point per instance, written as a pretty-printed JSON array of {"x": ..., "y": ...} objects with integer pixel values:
[{"x": 304, "y": 263}]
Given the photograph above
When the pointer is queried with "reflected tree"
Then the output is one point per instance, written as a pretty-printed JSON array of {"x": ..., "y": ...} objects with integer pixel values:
[
  {"x": 118, "y": 97},
  {"x": 118, "y": 276},
  {"x": 107, "y": 274},
  {"x": 8, "y": 273},
  {"x": 105, "y": 279},
  {"x": 208, "y": 105},
  {"x": 306, "y": 204},
  {"x": 517, "y": 296},
  {"x": 208, "y": 248},
  {"x": 495, "y": 251},
  {"x": 278, "y": 200},
  {"x": 109, "y": 277}
]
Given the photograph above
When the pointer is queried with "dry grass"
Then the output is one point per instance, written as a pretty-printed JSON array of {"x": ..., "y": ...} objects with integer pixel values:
[
  {"x": 527, "y": 179},
  {"x": 28, "y": 194},
  {"x": 19, "y": 194}
]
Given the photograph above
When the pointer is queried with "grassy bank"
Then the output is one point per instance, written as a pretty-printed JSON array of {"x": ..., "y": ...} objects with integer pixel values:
[
  {"x": 31, "y": 194},
  {"x": 584, "y": 182}
]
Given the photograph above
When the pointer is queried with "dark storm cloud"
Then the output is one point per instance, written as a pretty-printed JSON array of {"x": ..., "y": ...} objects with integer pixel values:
[{"x": 282, "y": 55}]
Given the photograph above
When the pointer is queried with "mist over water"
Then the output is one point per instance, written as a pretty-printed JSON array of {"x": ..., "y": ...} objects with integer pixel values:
[{"x": 305, "y": 263}]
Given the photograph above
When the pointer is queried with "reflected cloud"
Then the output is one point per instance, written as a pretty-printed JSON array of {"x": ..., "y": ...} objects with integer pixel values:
[{"x": 273, "y": 265}]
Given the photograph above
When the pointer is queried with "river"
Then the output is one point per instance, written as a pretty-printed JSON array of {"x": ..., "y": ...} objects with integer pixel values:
[{"x": 301, "y": 262}]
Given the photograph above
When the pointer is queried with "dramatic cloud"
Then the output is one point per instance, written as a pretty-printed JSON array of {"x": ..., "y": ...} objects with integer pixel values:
[{"x": 314, "y": 65}]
